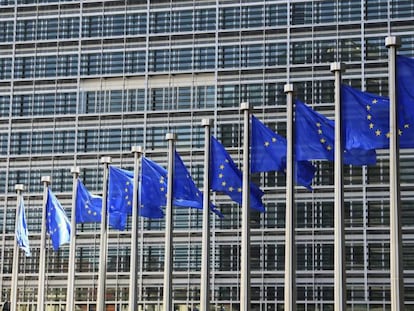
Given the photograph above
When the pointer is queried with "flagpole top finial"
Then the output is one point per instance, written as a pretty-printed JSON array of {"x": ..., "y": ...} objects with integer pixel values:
[
  {"x": 19, "y": 187},
  {"x": 137, "y": 149},
  {"x": 288, "y": 88},
  {"x": 244, "y": 106},
  {"x": 207, "y": 122},
  {"x": 46, "y": 179},
  {"x": 106, "y": 160},
  {"x": 337, "y": 66},
  {"x": 170, "y": 136},
  {"x": 75, "y": 170},
  {"x": 392, "y": 41}
]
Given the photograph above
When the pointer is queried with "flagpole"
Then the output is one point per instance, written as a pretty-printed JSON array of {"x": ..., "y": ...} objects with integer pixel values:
[
  {"x": 15, "y": 276},
  {"x": 168, "y": 261},
  {"x": 42, "y": 256},
  {"x": 133, "y": 294},
  {"x": 70, "y": 303},
  {"x": 339, "y": 215},
  {"x": 396, "y": 266},
  {"x": 205, "y": 246},
  {"x": 100, "y": 299},
  {"x": 290, "y": 246},
  {"x": 245, "y": 226}
]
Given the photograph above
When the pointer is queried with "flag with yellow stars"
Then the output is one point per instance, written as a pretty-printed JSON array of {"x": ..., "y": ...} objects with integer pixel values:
[
  {"x": 227, "y": 178},
  {"x": 315, "y": 137},
  {"x": 88, "y": 206},
  {"x": 120, "y": 194},
  {"x": 366, "y": 120},
  {"x": 186, "y": 193},
  {"x": 22, "y": 233},
  {"x": 153, "y": 189},
  {"x": 268, "y": 153},
  {"x": 57, "y": 223},
  {"x": 405, "y": 99}
]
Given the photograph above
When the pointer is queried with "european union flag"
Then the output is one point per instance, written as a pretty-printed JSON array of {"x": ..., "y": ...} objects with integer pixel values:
[
  {"x": 186, "y": 193},
  {"x": 268, "y": 153},
  {"x": 88, "y": 206},
  {"x": 227, "y": 178},
  {"x": 120, "y": 194},
  {"x": 315, "y": 136},
  {"x": 22, "y": 234},
  {"x": 153, "y": 189},
  {"x": 367, "y": 116},
  {"x": 405, "y": 99},
  {"x": 57, "y": 223}
]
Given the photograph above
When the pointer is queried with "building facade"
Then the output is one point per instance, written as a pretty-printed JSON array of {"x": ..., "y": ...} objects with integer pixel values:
[{"x": 84, "y": 79}]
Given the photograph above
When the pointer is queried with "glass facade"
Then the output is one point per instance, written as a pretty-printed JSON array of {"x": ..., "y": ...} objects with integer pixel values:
[{"x": 85, "y": 79}]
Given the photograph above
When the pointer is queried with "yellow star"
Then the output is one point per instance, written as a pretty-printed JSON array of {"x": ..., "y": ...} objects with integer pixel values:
[
  {"x": 318, "y": 124},
  {"x": 388, "y": 135},
  {"x": 222, "y": 167},
  {"x": 406, "y": 126},
  {"x": 129, "y": 203},
  {"x": 329, "y": 148},
  {"x": 400, "y": 132},
  {"x": 227, "y": 161},
  {"x": 323, "y": 140},
  {"x": 374, "y": 101},
  {"x": 231, "y": 189},
  {"x": 239, "y": 189},
  {"x": 266, "y": 144},
  {"x": 378, "y": 132},
  {"x": 369, "y": 117},
  {"x": 162, "y": 189},
  {"x": 371, "y": 126},
  {"x": 220, "y": 175},
  {"x": 274, "y": 139},
  {"x": 127, "y": 183},
  {"x": 320, "y": 132},
  {"x": 223, "y": 183},
  {"x": 368, "y": 107}
]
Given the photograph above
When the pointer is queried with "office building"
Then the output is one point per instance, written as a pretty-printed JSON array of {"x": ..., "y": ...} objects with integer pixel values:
[{"x": 84, "y": 79}]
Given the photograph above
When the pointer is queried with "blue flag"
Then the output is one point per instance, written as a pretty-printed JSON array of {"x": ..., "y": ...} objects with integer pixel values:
[
  {"x": 315, "y": 136},
  {"x": 227, "y": 178},
  {"x": 120, "y": 194},
  {"x": 366, "y": 117},
  {"x": 22, "y": 234},
  {"x": 57, "y": 223},
  {"x": 405, "y": 99},
  {"x": 153, "y": 189},
  {"x": 268, "y": 153},
  {"x": 88, "y": 206},
  {"x": 186, "y": 192}
]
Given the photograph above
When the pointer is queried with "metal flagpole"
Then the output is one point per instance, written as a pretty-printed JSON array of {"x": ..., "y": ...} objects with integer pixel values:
[
  {"x": 205, "y": 246},
  {"x": 245, "y": 226},
  {"x": 70, "y": 301},
  {"x": 15, "y": 275},
  {"x": 100, "y": 299},
  {"x": 290, "y": 246},
  {"x": 133, "y": 294},
  {"x": 168, "y": 261},
  {"x": 42, "y": 256},
  {"x": 396, "y": 266},
  {"x": 339, "y": 215}
]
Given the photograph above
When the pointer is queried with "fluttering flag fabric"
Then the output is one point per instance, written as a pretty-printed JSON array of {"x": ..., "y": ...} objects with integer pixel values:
[
  {"x": 186, "y": 193},
  {"x": 57, "y": 223},
  {"x": 315, "y": 136},
  {"x": 405, "y": 96},
  {"x": 88, "y": 206},
  {"x": 120, "y": 195},
  {"x": 227, "y": 178},
  {"x": 22, "y": 233},
  {"x": 153, "y": 189},
  {"x": 268, "y": 153},
  {"x": 366, "y": 117}
]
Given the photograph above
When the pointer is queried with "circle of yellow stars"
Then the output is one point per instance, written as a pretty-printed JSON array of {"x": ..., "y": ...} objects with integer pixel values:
[{"x": 378, "y": 132}]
